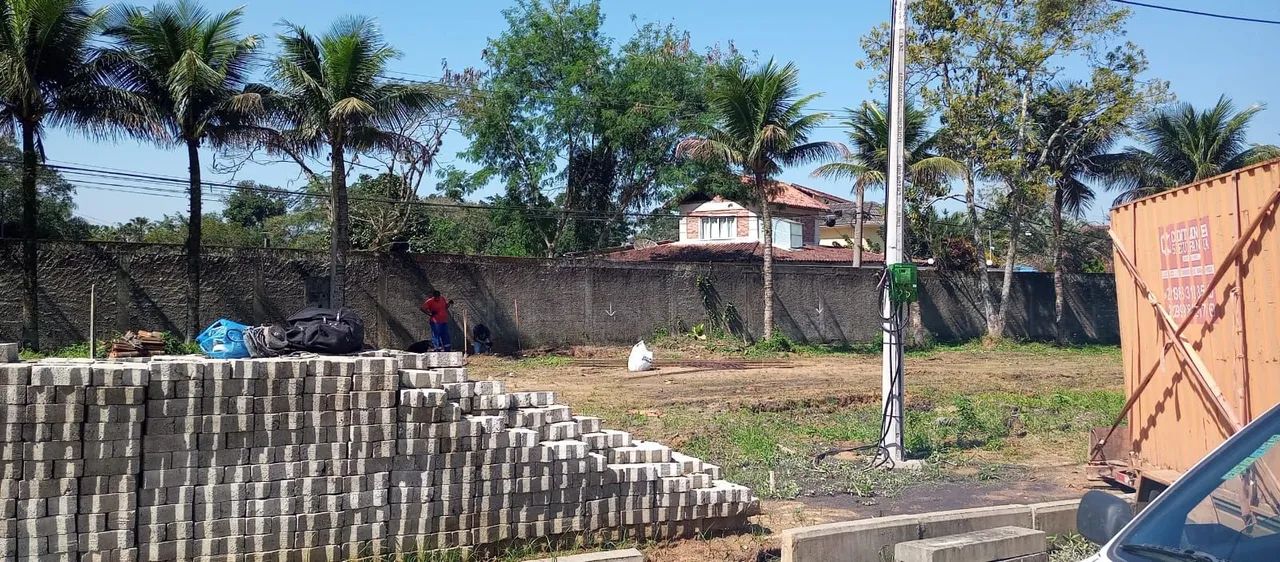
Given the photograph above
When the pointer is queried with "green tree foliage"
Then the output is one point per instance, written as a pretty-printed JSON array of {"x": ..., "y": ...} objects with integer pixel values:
[
  {"x": 1182, "y": 145},
  {"x": 1076, "y": 130},
  {"x": 251, "y": 204},
  {"x": 56, "y": 200},
  {"x": 866, "y": 161},
  {"x": 384, "y": 209},
  {"x": 173, "y": 229},
  {"x": 48, "y": 76},
  {"x": 980, "y": 64},
  {"x": 579, "y": 131},
  {"x": 760, "y": 125}
]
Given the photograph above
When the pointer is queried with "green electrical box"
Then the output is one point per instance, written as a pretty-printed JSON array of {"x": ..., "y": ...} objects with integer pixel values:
[{"x": 902, "y": 282}]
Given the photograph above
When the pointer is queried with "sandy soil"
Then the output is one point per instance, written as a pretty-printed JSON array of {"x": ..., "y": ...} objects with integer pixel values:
[{"x": 791, "y": 382}]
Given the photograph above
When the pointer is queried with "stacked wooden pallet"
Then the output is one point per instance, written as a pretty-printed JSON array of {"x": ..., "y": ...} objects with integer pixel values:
[{"x": 137, "y": 344}]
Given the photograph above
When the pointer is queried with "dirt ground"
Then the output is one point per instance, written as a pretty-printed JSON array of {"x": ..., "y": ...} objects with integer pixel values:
[
  {"x": 789, "y": 381},
  {"x": 597, "y": 379}
]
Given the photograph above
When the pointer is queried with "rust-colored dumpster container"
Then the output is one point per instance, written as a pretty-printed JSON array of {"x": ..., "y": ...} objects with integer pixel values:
[{"x": 1198, "y": 284}]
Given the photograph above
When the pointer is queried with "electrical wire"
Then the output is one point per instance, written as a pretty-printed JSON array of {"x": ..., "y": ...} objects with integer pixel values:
[
  {"x": 1197, "y": 12},
  {"x": 893, "y": 326}
]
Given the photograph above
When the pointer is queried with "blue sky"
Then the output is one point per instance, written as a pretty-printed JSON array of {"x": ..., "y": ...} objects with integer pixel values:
[{"x": 1202, "y": 58}]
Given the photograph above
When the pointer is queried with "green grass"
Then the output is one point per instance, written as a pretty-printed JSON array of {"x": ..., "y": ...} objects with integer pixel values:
[
  {"x": 1071, "y": 548},
  {"x": 542, "y": 361},
  {"x": 173, "y": 345},
  {"x": 1013, "y": 346},
  {"x": 525, "y": 550},
  {"x": 751, "y": 444},
  {"x": 781, "y": 346}
]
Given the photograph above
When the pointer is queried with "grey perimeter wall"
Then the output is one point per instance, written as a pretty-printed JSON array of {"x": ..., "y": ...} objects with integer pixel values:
[{"x": 527, "y": 303}]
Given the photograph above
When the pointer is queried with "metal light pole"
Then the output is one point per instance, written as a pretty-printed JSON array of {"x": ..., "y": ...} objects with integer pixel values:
[{"x": 891, "y": 367}]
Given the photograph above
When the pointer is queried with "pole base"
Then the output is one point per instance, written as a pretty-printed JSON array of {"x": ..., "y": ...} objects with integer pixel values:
[{"x": 906, "y": 464}]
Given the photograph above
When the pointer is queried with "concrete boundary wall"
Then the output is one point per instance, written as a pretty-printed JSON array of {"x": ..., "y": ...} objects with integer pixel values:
[
  {"x": 527, "y": 303},
  {"x": 873, "y": 540},
  {"x": 321, "y": 458}
]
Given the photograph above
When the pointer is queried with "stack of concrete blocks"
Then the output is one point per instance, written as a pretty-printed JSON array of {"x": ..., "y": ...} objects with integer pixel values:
[
  {"x": 115, "y": 408},
  {"x": 171, "y": 477},
  {"x": 321, "y": 458},
  {"x": 52, "y": 460},
  {"x": 14, "y": 381},
  {"x": 486, "y": 466}
]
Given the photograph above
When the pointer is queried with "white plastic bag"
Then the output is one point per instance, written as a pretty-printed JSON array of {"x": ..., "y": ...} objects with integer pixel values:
[{"x": 641, "y": 358}]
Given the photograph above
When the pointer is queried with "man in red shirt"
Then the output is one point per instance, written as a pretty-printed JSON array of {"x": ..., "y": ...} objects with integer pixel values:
[{"x": 437, "y": 310}]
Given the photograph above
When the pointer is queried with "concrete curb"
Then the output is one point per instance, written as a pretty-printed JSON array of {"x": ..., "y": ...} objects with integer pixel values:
[{"x": 874, "y": 539}]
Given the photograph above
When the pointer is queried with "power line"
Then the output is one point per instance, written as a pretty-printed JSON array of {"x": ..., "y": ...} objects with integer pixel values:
[
  {"x": 1197, "y": 12},
  {"x": 174, "y": 187}
]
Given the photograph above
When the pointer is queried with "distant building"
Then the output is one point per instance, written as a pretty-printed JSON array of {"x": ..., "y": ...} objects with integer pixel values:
[{"x": 713, "y": 228}]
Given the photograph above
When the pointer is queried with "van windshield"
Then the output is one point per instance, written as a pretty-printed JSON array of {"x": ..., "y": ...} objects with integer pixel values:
[{"x": 1227, "y": 508}]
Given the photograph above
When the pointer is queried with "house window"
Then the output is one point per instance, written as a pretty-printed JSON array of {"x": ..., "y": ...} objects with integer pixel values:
[
  {"x": 787, "y": 234},
  {"x": 719, "y": 228}
]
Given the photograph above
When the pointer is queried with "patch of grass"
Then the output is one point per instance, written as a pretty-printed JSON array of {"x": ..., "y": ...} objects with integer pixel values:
[
  {"x": 776, "y": 344},
  {"x": 542, "y": 361},
  {"x": 173, "y": 345},
  {"x": 537, "y": 548},
  {"x": 773, "y": 451},
  {"x": 823, "y": 349},
  {"x": 1071, "y": 548},
  {"x": 75, "y": 350},
  {"x": 780, "y": 346},
  {"x": 1014, "y": 346}
]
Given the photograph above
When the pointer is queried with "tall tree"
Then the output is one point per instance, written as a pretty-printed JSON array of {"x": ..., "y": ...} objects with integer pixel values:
[
  {"x": 190, "y": 67},
  {"x": 48, "y": 75},
  {"x": 761, "y": 126},
  {"x": 1184, "y": 145},
  {"x": 571, "y": 126},
  {"x": 979, "y": 64},
  {"x": 331, "y": 94},
  {"x": 1075, "y": 126},
  {"x": 867, "y": 160}
]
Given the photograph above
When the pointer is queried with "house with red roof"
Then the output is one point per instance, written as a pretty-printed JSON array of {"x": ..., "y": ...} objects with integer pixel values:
[{"x": 808, "y": 227}]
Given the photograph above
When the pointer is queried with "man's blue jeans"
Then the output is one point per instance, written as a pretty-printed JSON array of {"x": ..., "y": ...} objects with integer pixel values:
[{"x": 440, "y": 336}]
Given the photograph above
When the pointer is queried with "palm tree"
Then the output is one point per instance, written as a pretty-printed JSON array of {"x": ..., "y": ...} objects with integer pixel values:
[
  {"x": 190, "y": 67},
  {"x": 866, "y": 158},
  {"x": 1078, "y": 156},
  {"x": 760, "y": 127},
  {"x": 48, "y": 75},
  {"x": 1184, "y": 145},
  {"x": 330, "y": 95}
]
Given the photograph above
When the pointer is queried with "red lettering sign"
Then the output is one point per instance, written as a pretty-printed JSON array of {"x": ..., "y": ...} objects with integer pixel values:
[{"x": 1186, "y": 266}]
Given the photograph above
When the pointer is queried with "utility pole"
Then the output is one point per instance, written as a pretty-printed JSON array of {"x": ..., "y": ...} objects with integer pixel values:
[{"x": 891, "y": 367}]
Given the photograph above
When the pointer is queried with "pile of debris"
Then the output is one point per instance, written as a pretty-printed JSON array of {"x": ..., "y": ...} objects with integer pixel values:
[{"x": 137, "y": 344}]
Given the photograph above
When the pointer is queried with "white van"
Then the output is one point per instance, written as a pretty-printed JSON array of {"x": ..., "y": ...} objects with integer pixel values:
[{"x": 1225, "y": 509}]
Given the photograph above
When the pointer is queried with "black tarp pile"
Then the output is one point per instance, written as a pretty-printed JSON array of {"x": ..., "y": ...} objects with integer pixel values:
[{"x": 310, "y": 330}]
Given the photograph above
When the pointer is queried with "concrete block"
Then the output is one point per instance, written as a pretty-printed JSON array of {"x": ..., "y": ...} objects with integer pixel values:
[
  {"x": 869, "y": 540},
  {"x": 8, "y": 353},
  {"x": 60, "y": 375},
  {"x": 943, "y": 523},
  {"x": 987, "y": 545},
  {"x": 15, "y": 373},
  {"x": 1055, "y": 518},
  {"x": 626, "y": 555}
]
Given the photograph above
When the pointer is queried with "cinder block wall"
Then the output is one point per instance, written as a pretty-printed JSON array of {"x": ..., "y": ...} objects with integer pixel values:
[
  {"x": 526, "y": 303},
  {"x": 320, "y": 459}
]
